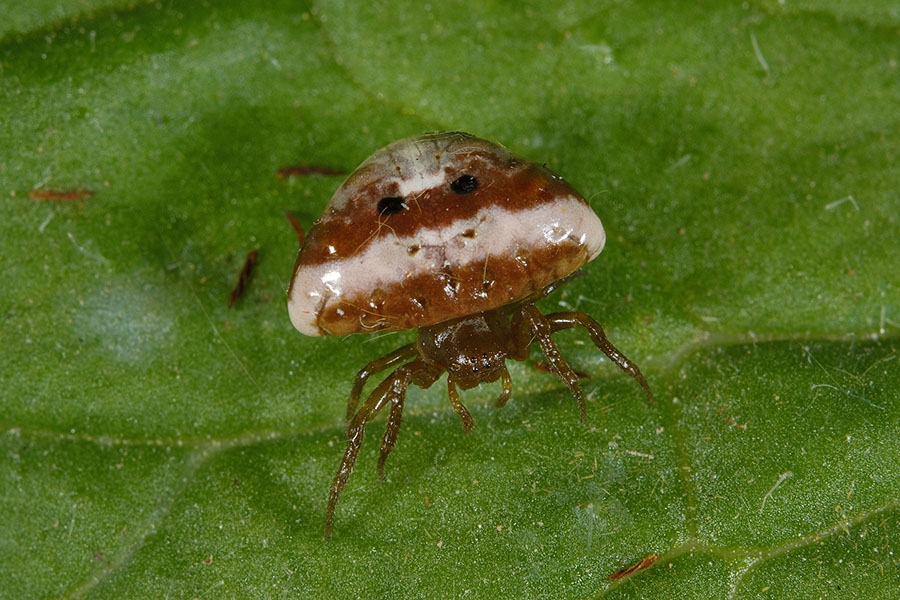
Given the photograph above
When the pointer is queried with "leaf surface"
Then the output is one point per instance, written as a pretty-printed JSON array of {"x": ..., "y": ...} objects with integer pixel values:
[{"x": 741, "y": 157}]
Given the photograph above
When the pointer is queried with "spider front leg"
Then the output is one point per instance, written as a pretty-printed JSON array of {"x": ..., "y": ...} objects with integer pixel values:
[
  {"x": 393, "y": 390},
  {"x": 423, "y": 375},
  {"x": 380, "y": 364},
  {"x": 567, "y": 320}
]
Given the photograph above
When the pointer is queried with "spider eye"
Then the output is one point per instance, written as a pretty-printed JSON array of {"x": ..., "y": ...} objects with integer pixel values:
[
  {"x": 390, "y": 206},
  {"x": 464, "y": 184}
]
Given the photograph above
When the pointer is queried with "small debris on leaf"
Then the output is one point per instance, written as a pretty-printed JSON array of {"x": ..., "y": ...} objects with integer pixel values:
[
  {"x": 638, "y": 566},
  {"x": 249, "y": 263},
  {"x": 302, "y": 170},
  {"x": 297, "y": 227},
  {"x": 60, "y": 196}
]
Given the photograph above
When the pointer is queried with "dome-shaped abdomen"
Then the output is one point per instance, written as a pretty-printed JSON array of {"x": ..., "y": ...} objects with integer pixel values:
[{"x": 436, "y": 227}]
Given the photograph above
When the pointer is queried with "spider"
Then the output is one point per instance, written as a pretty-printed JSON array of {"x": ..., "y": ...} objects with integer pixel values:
[{"x": 458, "y": 238}]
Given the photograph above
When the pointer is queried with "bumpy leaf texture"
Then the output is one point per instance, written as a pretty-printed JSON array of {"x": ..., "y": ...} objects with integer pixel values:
[{"x": 743, "y": 157}]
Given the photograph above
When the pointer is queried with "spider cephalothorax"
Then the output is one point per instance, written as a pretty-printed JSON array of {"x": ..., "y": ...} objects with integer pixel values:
[{"x": 457, "y": 237}]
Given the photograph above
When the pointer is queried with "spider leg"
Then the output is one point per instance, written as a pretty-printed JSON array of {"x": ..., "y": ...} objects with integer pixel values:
[
  {"x": 385, "y": 362},
  {"x": 507, "y": 388},
  {"x": 355, "y": 430},
  {"x": 421, "y": 374},
  {"x": 393, "y": 390},
  {"x": 529, "y": 323},
  {"x": 456, "y": 403},
  {"x": 568, "y": 320}
]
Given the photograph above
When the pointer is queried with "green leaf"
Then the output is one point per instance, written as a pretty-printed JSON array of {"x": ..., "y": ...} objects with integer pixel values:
[{"x": 743, "y": 158}]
